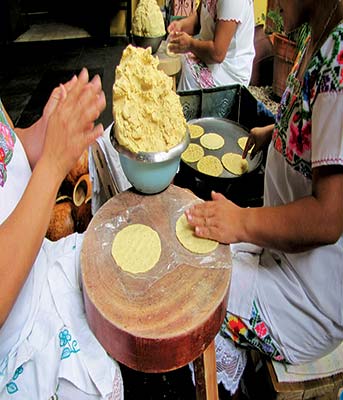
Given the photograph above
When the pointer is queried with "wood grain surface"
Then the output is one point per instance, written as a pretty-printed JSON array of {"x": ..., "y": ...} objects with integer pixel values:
[{"x": 162, "y": 320}]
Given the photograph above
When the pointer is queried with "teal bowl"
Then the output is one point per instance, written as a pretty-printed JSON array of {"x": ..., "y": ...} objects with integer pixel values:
[{"x": 150, "y": 173}]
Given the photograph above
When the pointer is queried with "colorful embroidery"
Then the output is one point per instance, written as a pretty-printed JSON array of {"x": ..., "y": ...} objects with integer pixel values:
[
  {"x": 7, "y": 141},
  {"x": 200, "y": 71},
  {"x": 70, "y": 346},
  {"x": 12, "y": 387},
  {"x": 255, "y": 336},
  {"x": 292, "y": 134}
]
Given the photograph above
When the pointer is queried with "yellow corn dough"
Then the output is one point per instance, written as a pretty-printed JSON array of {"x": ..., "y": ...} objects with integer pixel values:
[
  {"x": 235, "y": 163},
  {"x": 148, "y": 19},
  {"x": 210, "y": 165},
  {"x": 193, "y": 153},
  {"x": 147, "y": 112},
  {"x": 188, "y": 239},
  {"x": 136, "y": 248},
  {"x": 212, "y": 141},
  {"x": 195, "y": 131}
]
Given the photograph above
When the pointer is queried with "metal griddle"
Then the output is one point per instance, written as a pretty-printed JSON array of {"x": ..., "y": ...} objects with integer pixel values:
[{"x": 231, "y": 132}]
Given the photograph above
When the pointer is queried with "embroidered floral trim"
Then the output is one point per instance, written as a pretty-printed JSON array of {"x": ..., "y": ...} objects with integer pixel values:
[
  {"x": 292, "y": 134},
  {"x": 255, "y": 335},
  {"x": 200, "y": 71},
  {"x": 69, "y": 346},
  {"x": 12, "y": 386},
  {"x": 328, "y": 160},
  {"x": 7, "y": 142}
]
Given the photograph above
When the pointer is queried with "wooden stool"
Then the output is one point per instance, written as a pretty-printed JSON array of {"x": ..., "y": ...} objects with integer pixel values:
[
  {"x": 327, "y": 388},
  {"x": 171, "y": 322}
]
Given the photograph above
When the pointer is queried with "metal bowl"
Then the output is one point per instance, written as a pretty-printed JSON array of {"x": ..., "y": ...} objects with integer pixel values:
[
  {"x": 145, "y": 41},
  {"x": 153, "y": 172}
]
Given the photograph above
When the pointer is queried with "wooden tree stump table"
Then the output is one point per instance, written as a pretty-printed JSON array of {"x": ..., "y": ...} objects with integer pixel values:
[{"x": 169, "y": 323}]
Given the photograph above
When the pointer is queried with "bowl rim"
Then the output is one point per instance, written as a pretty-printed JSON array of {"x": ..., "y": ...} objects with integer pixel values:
[
  {"x": 151, "y": 157},
  {"x": 148, "y": 37}
]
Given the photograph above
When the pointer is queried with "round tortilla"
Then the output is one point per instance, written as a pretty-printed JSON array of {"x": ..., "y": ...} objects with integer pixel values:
[
  {"x": 136, "y": 248},
  {"x": 210, "y": 165},
  {"x": 188, "y": 239},
  {"x": 195, "y": 131},
  {"x": 242, "y": 141},
  {"x": 212, "y": 141},
  {"x": 234, "y": 163},
  {"x": 193, "y": 153}
]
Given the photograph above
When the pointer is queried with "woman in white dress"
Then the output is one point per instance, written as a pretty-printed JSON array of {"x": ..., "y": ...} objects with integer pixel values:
[
  {"x": 46, "y": 347},
  {"x": 286, "y": 291},
  {"x": 217, "y": 42}
]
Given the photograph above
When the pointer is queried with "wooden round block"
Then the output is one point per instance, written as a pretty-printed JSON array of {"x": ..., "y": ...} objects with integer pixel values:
[{"x": 166, "y": 326}]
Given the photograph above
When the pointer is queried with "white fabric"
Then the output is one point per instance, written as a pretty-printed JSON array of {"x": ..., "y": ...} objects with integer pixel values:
[
  {"x": 327, "y": 108},
  {"x": 46, "y": 336},
  {"x": 237, "y": 65},
  {"x": 231, "y": 361},
  {"x": 328, "y": 365}
]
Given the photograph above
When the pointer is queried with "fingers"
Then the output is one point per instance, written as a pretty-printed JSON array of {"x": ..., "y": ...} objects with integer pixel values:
[{"x": 250, "y": 143}]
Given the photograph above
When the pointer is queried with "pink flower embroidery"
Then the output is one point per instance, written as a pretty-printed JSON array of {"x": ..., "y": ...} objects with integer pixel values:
[
  {"x": 2, "y": 155},
  {"x": 340, "y": 57},
  {"x": 261, "y": 329},
  {"x": 299, "y": 140},
  {"x": 278, "y": 145},
  {"x": 4, "y": 130}
]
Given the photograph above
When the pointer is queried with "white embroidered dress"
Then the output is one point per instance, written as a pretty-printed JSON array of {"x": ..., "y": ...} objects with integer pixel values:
[{"x": 46, "y": 336}]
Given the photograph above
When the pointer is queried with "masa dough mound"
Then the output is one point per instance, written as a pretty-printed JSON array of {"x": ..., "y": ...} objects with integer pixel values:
[
  {"x": 188, "y": 239},
  {"x": 147, "y": 112},
  {"x": 148, "y": 19},
  {"x": 195, "y": 131},
  {"x": 193, "y": 153},
  {"x": 210, "y": 165},
  {"x": 235, "y": 163},
  {"x": 212, "y": 141},
  {"x": 136, "y": 248}
]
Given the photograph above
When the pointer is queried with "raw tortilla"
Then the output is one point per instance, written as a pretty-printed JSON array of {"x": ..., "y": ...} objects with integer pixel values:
[
  {"x": 136, "y": 248},
  {"x": 212, "y": 141},
  {"x": 188, "y": 239},
  {"x": 195, "y": 131},
  {"x": 210, "y": 165},
  {"x": 242, "y": 141},
  {"x": 235, "y": 163},
  {"x": 193, "y": 153}
]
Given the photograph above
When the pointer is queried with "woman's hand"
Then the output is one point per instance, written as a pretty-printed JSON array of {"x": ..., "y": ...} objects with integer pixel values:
[
  {"x": 219, "y": 220},
  {"x": 174, "y": 27},
  {"x": 180, "y": 42},
  {"x": 71, "y": 124},
  {"x": 257, "y": 140},
  {"x": 33, "y": 137}
]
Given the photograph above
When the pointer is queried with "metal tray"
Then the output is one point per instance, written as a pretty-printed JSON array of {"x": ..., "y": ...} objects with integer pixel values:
[{"x": 231, "y": 131}]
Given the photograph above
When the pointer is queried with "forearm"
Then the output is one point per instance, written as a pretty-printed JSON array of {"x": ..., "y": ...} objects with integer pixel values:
[
  {"x": 32, "y": 139},
  {"x": 306, "y": 223},
  {"x": 205, "y": 50},
  {"x": 22, "y": 233}
]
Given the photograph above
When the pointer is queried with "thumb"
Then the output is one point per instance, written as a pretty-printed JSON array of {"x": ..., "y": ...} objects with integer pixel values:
[{"x": 217, "y": 196}]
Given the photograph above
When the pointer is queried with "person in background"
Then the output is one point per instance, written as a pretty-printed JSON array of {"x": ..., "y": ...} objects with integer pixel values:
[
  {"x": 286, "y": 290},
  {"x": 223, "y": 51},
  {"x": 46, "y": 347}
]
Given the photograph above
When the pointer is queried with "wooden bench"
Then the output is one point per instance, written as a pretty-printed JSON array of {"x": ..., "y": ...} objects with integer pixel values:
[{"x": 262, "y": 383}]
